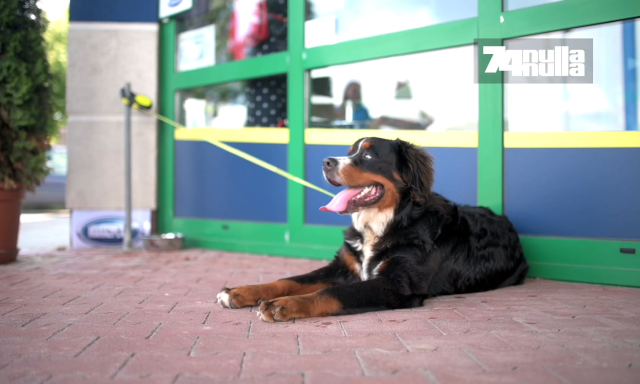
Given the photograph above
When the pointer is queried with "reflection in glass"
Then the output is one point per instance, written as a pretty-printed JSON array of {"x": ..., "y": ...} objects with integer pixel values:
[
  {"x": 432, "y": 90},
  {"x": 510, "y": 5},
  {"x": 333, "y": 21},
  {"x": 57, "y": 161},
  {"x": 611, "y": 103},
  {"x": 218, "y": 31},
  {"x": 253, "y": 103}
]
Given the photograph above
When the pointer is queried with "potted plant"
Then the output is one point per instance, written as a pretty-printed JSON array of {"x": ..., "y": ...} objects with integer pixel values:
[{"x": 26, "y": 113}]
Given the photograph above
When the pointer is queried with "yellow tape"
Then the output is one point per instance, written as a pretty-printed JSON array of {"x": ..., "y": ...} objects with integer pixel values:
[
  {"x": 241, "y": 154},
  {"x": 451, "y": 139},
  {"x": 245, "y": 135},
  {"x": 583, "y": 139}
]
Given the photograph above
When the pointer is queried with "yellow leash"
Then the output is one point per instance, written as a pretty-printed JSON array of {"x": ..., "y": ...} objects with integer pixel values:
[{"x": 142, "y": 104}]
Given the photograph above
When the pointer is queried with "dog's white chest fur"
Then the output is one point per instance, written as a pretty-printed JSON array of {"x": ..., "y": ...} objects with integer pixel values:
[{"x": 371, "y": 223}]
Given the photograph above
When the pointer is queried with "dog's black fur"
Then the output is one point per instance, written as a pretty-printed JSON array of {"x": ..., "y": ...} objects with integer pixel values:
[{"x": 418, "y": 243}]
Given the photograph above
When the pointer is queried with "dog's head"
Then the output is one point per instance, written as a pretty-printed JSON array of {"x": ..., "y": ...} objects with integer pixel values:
[{"x": 379, "y": 173}]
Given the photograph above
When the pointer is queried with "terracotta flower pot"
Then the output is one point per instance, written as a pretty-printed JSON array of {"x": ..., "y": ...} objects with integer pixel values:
[{"x": 10, "y": 208}]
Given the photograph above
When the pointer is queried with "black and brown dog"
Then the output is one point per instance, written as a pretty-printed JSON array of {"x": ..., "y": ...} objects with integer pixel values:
[{"x": 406, "y": 243}]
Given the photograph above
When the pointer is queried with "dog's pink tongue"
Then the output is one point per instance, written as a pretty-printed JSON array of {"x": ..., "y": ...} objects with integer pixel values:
[{"x": 341, "y": 200}]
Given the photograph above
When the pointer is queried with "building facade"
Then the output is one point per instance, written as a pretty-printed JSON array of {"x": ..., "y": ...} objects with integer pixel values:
[{"x": 292, "y": 82}]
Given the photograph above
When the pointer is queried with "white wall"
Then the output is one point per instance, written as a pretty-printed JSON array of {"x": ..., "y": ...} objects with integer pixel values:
[{"x": 102, "y": 57}]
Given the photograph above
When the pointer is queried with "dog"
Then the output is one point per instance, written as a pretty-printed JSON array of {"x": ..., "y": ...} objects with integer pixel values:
[{"x": 406, "y": 243}]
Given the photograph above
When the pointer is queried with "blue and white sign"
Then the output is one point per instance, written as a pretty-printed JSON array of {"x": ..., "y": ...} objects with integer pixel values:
[
  {"x": 100, "y": 229},
  {"x": 169, "y": 8}
]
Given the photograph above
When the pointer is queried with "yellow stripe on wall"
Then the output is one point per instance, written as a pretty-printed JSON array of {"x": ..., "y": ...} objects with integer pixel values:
[
  {"x": 326, "y": 136},
  {"x": 619, "y": 139},
  {"x": 453, "y": 139},
  {"x": 245, "y": 135}
]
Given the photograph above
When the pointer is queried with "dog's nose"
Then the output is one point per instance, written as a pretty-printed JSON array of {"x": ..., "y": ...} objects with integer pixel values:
[{"x": 329, "y": 163}]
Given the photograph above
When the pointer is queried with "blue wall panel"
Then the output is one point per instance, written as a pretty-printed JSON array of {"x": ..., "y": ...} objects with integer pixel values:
[
  {"x": 456, "y": 179},
  {"x": 213, "y": 184},
  {"x": 114, "y": 10},
  {"x": 574, "y": 192},
  {"x": 456, "y": 174}
]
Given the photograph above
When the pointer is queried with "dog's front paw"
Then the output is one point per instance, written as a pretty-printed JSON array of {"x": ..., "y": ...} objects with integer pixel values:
[
  {"x": 280, "y": 309},
  {"x": 237, "y": 297},
  {"x": 224, "y": 299}
]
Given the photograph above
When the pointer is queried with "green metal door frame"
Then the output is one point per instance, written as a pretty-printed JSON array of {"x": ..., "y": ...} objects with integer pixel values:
[{"x": 590, "y": 260}]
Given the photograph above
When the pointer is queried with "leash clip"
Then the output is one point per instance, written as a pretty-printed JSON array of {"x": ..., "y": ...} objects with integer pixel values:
[{"x": 135, "y": 101}]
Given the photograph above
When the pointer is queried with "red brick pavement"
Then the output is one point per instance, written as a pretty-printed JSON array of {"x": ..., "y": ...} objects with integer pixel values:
[{"x": 101, "y": 316}]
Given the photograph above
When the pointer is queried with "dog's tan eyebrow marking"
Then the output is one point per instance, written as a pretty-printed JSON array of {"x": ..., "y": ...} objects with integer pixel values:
[
  {"x": 350, "y": 149},
  {"x": 359, "y": 148},
  {"x": 366, "y": 145}
]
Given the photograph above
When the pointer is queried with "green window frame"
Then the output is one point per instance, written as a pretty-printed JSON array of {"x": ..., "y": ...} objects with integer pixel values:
[{"x": 587, "y": 260}]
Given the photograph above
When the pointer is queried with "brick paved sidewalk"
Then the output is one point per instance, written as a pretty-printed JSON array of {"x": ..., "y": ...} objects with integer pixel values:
[{"x": 152, "y": 318}]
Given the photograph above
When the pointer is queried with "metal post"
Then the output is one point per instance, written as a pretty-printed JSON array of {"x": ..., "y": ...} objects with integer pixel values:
[{"x": 126, "y": 243}]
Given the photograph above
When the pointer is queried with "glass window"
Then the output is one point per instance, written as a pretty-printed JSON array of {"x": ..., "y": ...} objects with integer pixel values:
[
  {"x": 432, "y": 90},
  {"x": 609, "y": 104},
  {"x": 510, "y": 5},
  {"x": 218, "y": 31},
  {"x": 333, "y": 21},
  {"x": 258, "y": 102},
  {"x": 57, "y": 161}
]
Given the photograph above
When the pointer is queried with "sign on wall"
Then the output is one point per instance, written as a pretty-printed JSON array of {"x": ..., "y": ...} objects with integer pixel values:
[
  {"x": 171, "y": 7},
  {"x": 100, "y": 229},
  {"x": 197, "y": 48}
]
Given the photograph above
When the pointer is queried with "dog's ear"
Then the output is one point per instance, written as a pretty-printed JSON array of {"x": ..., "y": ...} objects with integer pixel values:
[{"x": 416, "y": 169}]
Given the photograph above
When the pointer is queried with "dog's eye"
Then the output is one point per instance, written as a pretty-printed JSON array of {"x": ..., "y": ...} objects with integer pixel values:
[{"x": 367, "y": 156}]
